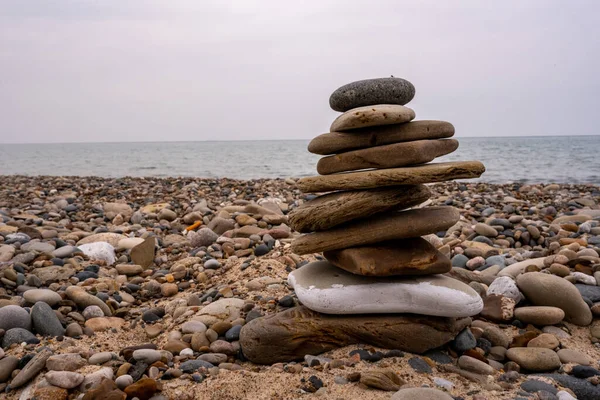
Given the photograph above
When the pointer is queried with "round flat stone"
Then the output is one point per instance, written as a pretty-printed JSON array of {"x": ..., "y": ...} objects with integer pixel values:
[
  {"x": 372, "y": 91},
  {"x": 539, "y": 315},
  {"x": 332, "y": 209},
  {"x": 388, "y": 156},
  {"x": 428, "y": 173},
  {"x": 339, "y": 142},
  {"x": 363, "y": 117},
  {"x": 415, "y": 256},
  {"x": 324, "y": 288},
  {"x": 381, "y": 228}
]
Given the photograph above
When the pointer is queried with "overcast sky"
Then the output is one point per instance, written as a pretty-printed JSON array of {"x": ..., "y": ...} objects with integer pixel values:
[{"x": 166, "y": 70}]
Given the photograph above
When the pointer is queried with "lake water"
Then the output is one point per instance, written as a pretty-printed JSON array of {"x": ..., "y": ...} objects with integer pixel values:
[{"x": 560, "y": 159}]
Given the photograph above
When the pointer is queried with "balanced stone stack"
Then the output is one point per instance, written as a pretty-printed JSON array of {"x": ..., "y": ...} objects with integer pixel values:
[{"x": 382, "y": 283}]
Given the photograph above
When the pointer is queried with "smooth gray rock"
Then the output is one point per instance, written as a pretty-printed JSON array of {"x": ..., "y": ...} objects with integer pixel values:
[
  {"x": 33, "y": 367},
  {"x": 370, "y": 92},
  {"x": 589, "y": 292},
  {"x": 583, "y": 389},
  {"x": 192, "y": 365},
  {"x": 14, "y": 317},
  {"x": 16, "y": 335},
  {"x": 7, "y": 366},
  {"x": 48, "y": 296},
  {"x": 45, "y": 321}
]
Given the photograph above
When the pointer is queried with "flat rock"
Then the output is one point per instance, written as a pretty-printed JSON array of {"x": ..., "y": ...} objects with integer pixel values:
[
  {"x": 377, "y": 115},
  {"x": 535, "y": 359},
  {"x": 129, "y": 243},
  {"x": 550, "y": 290},
  {"x": 7, "y": 365},
  {"x": 387, "y": 156},
  {"x": 428, "y": 173},
  {"x": 574, "y": 356},
  {"x": 291, "y": 334},
  {"x": 332, "y": 209},
  {"x": 53, "y": 273},
  {"x": 65, "y": 362},
  {"x": 16, "y": 335},
  {"x": 33, "y": 367},
  {"x": 381, "y": 228},
  {"x": 108, "y": 237},
  {"x": 100, "y": 324},
  {"x": 324, "y": 288},
  {"x": 64, "y": 379},
  {"x": 414, "y": 256},
  {"x": 339, "y": 142},
  {"x": 583, "y": 389},
  {"x": 143, "y": 253},
  {"x": 47, "y": 296},
  {"x": 368, "y": 92},
  {"x": 589, "y": 292},
  {"x": 227, "y": 310},
  {"x": 539, "y": 315},
  {"x": 516, "y": 269}
]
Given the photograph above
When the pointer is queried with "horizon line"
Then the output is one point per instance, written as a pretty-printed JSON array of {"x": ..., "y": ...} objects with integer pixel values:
[{"x": 267, "y": 140}]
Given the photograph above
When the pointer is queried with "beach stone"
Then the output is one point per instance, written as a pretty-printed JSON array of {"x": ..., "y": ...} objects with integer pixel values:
[
  {"x": 40, "y": 247},
  {"x": 546, "y": 340},
  {"x": 369, "y": 92},
  {"x": 47, "y": 296},
  {"x": 64, "y": 379},
  {"x": 383, "y": 379},
  {"x": 193, "y": 327},
  {"x": 45, "y": 321},
  {"x": 54, "y": 273},
  {"x": 64, "y": 251},
  {"x": 583, "y": 389},
  {"x": 227, "y": 310},
  {"x": 322, "y": 287},
  {"x": 111, "y": 210},
  {"x": 399, "y": 257},
  {"x": 535, "y": 385},
  {"x": 65, "y": 362},
  {"x": 191, "y": 366},
  {"x": 107, "y": 237},
  {"x": 339, "y": 142},
  {"x": 421, "y": 393},
  {"x": 17, "y": 335},
  {"x": 83, "y": 299},
  {"x": 375, "y": 115},
  {"x": 94, "y": 379},
  {"x": 129, "y": 269},
  {"x": 574, "y": 356},
  {"x": 535, "y": 359},
  {"x": 464, "y": 341},
  {"x": 550, "y": 290},
  {"x": 13, "y": 316},
  {"x": 203, "y": 237},
  {"x": 142, "y": 389},
  {"x": 7, "y": 365},
  {"x": 101, "y": 358},
  {"x": 123, "y": 381},
  {"x": 104, "y": 323},
  {"x": 143, "y": 253},
  {"x": 384, "y": 227},
  {"x": 539, "y": 315},
  {"x": 74, "y": 330},
  {"x": 332, "y": 209},
  {"x": 33, "y": 367},
  {"x": 387, "y": 156},
  {"x": 589, "y": 292},
  {"x": 92, "y": 312},
  {"x": 474, "y": 365},
  {"x": 7, "y": 252},
  {"x": 505, "y": 286},
  {"x": 99, "y": 251},
  {"x": 428, "y": 173},
  {"x": 295, "y": 332},
  {"x": 148, "y": 356}
]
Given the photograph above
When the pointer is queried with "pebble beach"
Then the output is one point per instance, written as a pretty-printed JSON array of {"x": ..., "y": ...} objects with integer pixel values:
[{"x": 148, "y": 282}]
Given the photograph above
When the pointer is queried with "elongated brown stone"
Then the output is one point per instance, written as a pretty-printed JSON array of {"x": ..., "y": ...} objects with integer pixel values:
[
  {"x": 381, "y": 114},
  {"x": 291, "y": 334},
  {"x": 387, "y": 226},
  {"x": 332, "y": 209},
  {"x": 388, "y": 156},
  {"x": 415, "y": 256},
  {"x": 339, "y": 142},
  {"x": 427, "y": 173}
]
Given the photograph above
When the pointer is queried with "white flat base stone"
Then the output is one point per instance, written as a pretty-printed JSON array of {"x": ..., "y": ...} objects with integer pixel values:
[{"x": 324, "y": 288}]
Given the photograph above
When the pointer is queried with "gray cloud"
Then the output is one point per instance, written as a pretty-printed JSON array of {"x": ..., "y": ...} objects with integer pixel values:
[{"x": 80, "y": 71}]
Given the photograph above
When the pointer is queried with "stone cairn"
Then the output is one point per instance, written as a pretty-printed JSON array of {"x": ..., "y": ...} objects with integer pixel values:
[{"x": 382, "y": 283}]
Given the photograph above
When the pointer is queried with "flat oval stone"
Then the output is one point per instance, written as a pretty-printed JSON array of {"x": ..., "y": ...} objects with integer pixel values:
[
  {"x": 383, "y": 227},
  {"x": 428, "y": 173},
  {"x": 295, "y": 332},
  {"x": 339, "y": 142},
  {"x": 536, "y": 359},
  {"x": 324, "y": 288},
  {"x": 47, "y": 296},
  {"x": 414, "y": 256},
  {"x": 363, "y": 117},
  {"x": 540, "y": 315},
  {"x": 332, "y": 209},
  {"x": 372, "y": 91},
  {"x": 388, "y": 156}
]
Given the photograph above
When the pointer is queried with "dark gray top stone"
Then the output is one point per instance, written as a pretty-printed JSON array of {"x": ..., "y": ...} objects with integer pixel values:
[
  {"x": 16, "y": 335},
  {"x": 583, "y": 389},
  {"x": 13, "y": 316},
  {"x": 590, "y": 292},
  {"x": 370, "y": 92}
]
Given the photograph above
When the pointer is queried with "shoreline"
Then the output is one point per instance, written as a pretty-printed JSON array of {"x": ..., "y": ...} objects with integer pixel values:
[{"x": 253, "y": 267}]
